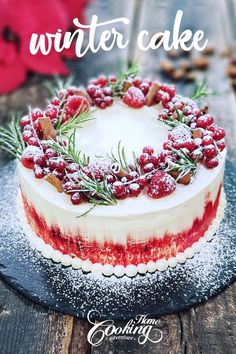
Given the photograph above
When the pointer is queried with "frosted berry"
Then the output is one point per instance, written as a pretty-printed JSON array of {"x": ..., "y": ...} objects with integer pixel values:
[
  {"x": 189, "y": 144},
  {"x": 163, "y": 97},
  {"x": 211, "y": 162},
  {"x": 142, "y": 181},
  {"x": 70, "y": 187},
  {"x": 132, "y": 175},
  {"x": 207, "y": 140},
  {"x": 76, "y": 105},
  {"x": 36, "y": 113},
  {"x": 33, "y": 141},
  {"x": 221, "y": 144},
  {"x": 110, "y": 179},
  {"x": 107, "y": 91},
  {"x": 27, "y": 157},
  {"x": 134, "y": 189},
  {"x": 72, "y": 167},
  {"x": 91, "y": 89},
  {"x": 144, "y": 87},
  {"x": 205, "y": 121},
  {"x": 49, "y": 153},
  {"x": 218, "y": 133},
  {"x": 77, "y": 198},
  {"x": 134, "y": 98},
  {"x": 57, "y": 164},
  {"x": 197, "y": 155},
  {"x": 161, "y": 185},
  {"x": 119, "y": 189},
  {"x": 55, "y": 101},
  {"x": 38, "y": 172},
  {"x": 210, "y": 151},
  {"x": 149, "y": 167},
  {"x": 143, "y": 159},
  {"x": 137, "y": 81},
  {"x": 40, "y": 160},
  {"x": 170, "y": 89},
  {"x": 24, "y": 121},
  {"x": 102, "y": 81},
  {"x": 148, "y": 150},
  {"x": 26, "y": 135}
]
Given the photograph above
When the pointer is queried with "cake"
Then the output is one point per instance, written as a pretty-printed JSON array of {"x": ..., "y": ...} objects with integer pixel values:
[{"x": 122, "y": 177}]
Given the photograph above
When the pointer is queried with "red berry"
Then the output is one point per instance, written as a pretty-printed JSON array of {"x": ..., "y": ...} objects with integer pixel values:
[
  {"x": 57, "y": 164},
  {"x": 55, "y": 101},
  {"x": 119, "y": 189},
  {"x": 148, "y": 167},
  {"x": 26, "y": 135},
  {"x": 59, "y": 175},
  {"x": 207, "y": 140},
  {"x": 49, "y": 153},
  {"x": 196, "y": 155},
  {"x": 107, "y": 91},
  {"x": 168, "y": 145},
  {"x": 218, "y": 133},
  {"x": 137, "y": 81},
  {"x": 170, "y": 89},
  {"x": 33, "y": 141},
  {"x": 189, "y": 144},
  {"x": 148, "y": 150},
  {"x": 98, "y": 93},
  {"x": 142, "y": 181},
  {"x": 221, "y": 144},
  {"x": 132, "y": 175},
  {"x": 134, "y": 97},
  {"x": 211, "y": 162},
  {"x": 51, "y": 112},
  {"x": 143, "y": 159},
  {"x": 70, "y": 187},
  {"x": 24, "y": 121},
  {"x": 27, "y": 157},
  {"x": 161, "y": 185},
  {"x": 72, "y": 167},
  {"x": 36, "y": 113},
  {"x": 102, "y": 80},
  {"x": 91, "y": 89},
  {"x": 210, "y": 150},
  {"x": 205, "y": 121},
  {"x": 112, "y": 78},
  {"x": 134, "y": 189},
  {"x": 163, "y": 97},
  {"x": 110, "y": 179},
  {"x": 108, "y": 100},
  {"x": 38, "y": 172},
  {"x": 40, "y": 160},
  {"x": 77, "y": 104},
  {"x": 144, "y": 87},
  {"x": 77, "y": 198}
]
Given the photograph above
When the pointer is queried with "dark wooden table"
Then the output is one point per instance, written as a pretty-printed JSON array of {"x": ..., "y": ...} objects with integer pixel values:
[{"x": 208, "y": 328}]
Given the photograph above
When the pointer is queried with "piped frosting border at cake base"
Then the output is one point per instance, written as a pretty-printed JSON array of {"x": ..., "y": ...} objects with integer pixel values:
[{"x": 119, "y": 271}]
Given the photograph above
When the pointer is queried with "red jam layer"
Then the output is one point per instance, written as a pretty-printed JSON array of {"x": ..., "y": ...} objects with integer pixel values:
[{"x": 132, "y": 252}]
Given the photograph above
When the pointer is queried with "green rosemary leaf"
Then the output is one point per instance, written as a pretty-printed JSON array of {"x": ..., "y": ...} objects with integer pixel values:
[
  {"x": 11, "y": 139},
  {"x": 73, "y": 123},
  {"x": 87, "y": 211},
  {"x": 201, "y": 90},
  {"x": 130, "y": 73},
  {"x": 120, "y": 159}
]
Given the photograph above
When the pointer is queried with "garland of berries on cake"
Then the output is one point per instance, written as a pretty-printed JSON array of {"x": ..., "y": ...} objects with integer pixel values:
[{"x": 44, "y": 141}]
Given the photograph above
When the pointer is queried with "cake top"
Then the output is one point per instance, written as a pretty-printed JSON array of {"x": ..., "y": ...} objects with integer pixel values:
[{"x": 138, "y": 137}]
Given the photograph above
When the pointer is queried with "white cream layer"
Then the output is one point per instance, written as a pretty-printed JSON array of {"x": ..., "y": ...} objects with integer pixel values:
[{"x": 119, "y": 270}]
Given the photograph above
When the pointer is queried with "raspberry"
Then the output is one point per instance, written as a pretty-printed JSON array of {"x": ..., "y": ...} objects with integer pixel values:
[
  {"x": 211, "y": 162},
  {"x": 77, "y": 198},
  {"x": 76, "y": 104},
  {"x": 161, "y": 185},
  {"x": 210, "y": 151},
  {"x": 205, "y": 121},
  {"x": 134, "y": 98},
  {"x": 27, "y": 157},
  {"x": 218, "y": 133},
  {"x": 148, "y": 150}
]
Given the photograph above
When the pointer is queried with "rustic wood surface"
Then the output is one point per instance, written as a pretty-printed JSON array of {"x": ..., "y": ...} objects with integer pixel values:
[{"x": 208, "y": 328}]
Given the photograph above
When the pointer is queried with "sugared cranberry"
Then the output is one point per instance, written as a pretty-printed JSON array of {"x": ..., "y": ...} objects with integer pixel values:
[
  {"x": 49, "y": 153},
  {"x": 137, "y": 81},
  {"x": 161, "y": 185},
  {"x": 211, "y": 162},
  {"x": 72, "y": 167},
  {"x": 91, "y": 89},
  {"x": 148, "y": 167},
  {"x": 143, "y": 159},
  {"x": 210, "y": 150},
  {"x": 134, "y": 189},
  {"x": 33, "y": 141},
  {"x": 196, "y": 155},
  {"x": 70, "y": 187},
  {"x": 57, "y": 164},
  {"x": 205, "y": 121},
  {"x": 132, "y": 175},
  {"x": 51, "y": 112},
  {"x": 36, "y": 113},
  {"x": 40, "y": 160},
  {"x": 144, "y": 87},
  {"x": 77, "y": 198},
  {"x": 221, "y": 144},
  {"x": 55, "y": 101},
  {"x": 27, "y": 157},
  {"x": 170, "y": 89},
  {"x": 218, "y": 133},
  {"x": 108, "y": 101},
  {"x": 162, "y": 97},
  {"x": 24, "y": 121},
  {"x": 148, "y": 150},
  {"x": 207, "y": 140},
  {"x": 119, "y": 189},
  {"x": 142, "y": 181},
  {"x": 134, "y": 97},
  {"x": 107, "y": 91},
  {"x": 102, "y": 81},
  {"x": 59, "y": 175},
  {"x": 110, "y": 179},
  {"x": 189, "y": 144},
  {"x": 38, "y": 172},
  {"x": 26, "y": 135}
]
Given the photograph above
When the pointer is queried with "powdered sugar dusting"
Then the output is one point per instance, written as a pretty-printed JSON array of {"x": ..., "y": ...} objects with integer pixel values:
[{"x": 72, "y": 291}]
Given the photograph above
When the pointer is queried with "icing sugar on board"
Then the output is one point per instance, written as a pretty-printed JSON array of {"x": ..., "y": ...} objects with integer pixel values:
[{"x": 74, "y": 292}]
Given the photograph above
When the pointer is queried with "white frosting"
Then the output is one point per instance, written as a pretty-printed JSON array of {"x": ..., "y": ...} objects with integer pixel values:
[{"x": 119, "y": 270}]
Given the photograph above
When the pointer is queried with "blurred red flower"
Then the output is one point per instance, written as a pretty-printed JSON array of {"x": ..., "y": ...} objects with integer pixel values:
[{"x": 18, "y": 20}]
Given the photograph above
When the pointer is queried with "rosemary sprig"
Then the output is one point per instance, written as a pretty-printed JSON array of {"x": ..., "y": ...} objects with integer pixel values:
[
  {"x": 183, "y": 164},
  {"x": 172, "y": 122},
  {"x": 58, "y": 84},
  {"x": 72, "y": 123},
  {"x": 130, "y": 73},
  {"x": 98, "y": 193},
  {"x": 120, "y": 159},
  {"x": 69, "y": 152},
  {"x": 201, "y": 90},
  {"x": 11, "y": 139}
]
